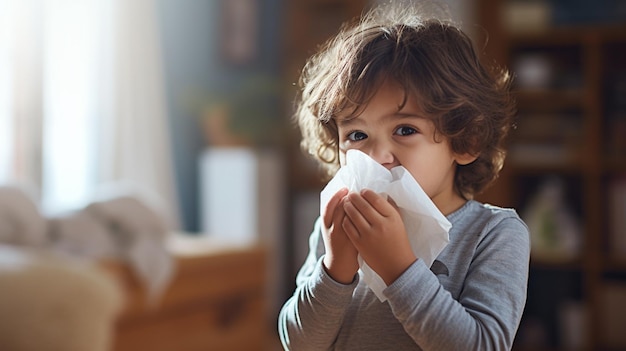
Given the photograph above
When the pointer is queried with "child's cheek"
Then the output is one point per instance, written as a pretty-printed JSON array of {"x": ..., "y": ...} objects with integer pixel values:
[{"x": 342, "y": 157}]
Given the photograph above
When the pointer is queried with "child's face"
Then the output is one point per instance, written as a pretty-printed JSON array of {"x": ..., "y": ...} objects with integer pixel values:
[{"x": 403, "y": 138}]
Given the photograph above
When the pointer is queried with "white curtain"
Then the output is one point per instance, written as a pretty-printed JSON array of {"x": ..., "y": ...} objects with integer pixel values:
[{"x": 82, "y": 100}]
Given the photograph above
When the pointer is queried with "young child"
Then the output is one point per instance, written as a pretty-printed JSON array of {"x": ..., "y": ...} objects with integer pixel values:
[{"x": 408, "y": 90}]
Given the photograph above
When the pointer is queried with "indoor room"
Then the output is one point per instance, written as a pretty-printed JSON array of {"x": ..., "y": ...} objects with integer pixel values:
[{"x": 155, "y": 195}]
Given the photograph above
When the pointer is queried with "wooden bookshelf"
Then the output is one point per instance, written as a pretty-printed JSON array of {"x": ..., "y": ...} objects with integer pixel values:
[{"x": 585, "y": 80}]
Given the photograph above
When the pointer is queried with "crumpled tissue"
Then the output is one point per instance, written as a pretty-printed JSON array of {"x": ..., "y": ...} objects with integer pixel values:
[
  {"x": 140, "y": 235},
  {"x": 427, "y": 228}
]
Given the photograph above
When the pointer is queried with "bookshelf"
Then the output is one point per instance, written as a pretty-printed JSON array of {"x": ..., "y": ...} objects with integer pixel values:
[{"x": 570, "y": 84}]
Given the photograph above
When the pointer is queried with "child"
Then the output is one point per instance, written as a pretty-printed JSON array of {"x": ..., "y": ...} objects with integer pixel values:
[{"x": 409, "y": 91}]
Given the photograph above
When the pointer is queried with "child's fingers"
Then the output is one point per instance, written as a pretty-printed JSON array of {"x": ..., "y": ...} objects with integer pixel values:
[
  {"x": 349, "y": 228},
  {"x": 356, "y": 213},
  {"x": 329, "y": 211},
  {"x": 339, "y": 212},
  {"x": 369, "y": 204},
  {"x": 380, "y": 204}
]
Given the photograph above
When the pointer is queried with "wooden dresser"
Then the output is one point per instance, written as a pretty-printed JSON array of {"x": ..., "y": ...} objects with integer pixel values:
[{"x": 216, "y": 301}]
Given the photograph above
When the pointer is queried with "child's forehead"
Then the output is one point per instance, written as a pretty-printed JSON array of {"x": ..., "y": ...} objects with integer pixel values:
[{"x": 387, "y": 94}]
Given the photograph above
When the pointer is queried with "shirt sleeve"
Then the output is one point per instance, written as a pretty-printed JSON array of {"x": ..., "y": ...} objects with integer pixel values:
[
  {"x": 489, "y": 308},
  {"x": 312, "y": 317}
]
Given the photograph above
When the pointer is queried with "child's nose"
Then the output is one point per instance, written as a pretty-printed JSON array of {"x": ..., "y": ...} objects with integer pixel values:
[{"x": 384, "y": 156}]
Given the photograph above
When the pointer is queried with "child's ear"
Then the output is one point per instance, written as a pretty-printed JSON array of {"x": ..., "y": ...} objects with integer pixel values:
[{"x": 465, "y": 159}]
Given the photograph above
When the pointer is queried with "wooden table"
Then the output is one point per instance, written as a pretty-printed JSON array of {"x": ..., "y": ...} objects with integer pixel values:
[{"x": 216, "y": 301}]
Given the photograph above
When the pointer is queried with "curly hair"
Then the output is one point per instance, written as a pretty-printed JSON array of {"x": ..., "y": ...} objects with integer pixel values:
[{"x": 433, "y": 60}]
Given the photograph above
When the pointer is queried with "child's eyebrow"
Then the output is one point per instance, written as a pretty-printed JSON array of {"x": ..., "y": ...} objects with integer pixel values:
[
  {"x": 347, "y": 121},
  {"x": 351, "y": 120},
  {"x": 407, "y": 115}
]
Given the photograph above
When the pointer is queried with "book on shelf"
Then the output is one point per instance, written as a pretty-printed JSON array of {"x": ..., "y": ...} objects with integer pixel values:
[
  {"x": 617, "y": 217},
  {"x": 615, "y": 135},
  {"x": 613, "y": 305},
  {"x": 541, "y": 154},
  {"x": 546, "y": 139}
]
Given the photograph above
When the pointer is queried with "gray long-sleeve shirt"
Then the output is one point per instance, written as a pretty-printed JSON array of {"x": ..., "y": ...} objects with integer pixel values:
[{"x": 471, "y": 298}]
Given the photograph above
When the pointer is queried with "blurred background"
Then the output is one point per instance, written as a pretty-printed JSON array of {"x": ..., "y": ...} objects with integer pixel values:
[{"x": 192, "y": 99}]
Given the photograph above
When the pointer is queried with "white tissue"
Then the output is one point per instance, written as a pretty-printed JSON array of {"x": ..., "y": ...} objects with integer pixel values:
[
  {"x": 427, "y": 228},
  {"x": 140, "y": 235}
]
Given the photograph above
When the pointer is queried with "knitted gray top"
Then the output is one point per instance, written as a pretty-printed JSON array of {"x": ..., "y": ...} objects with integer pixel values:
[{"x": 471, "y": 298}]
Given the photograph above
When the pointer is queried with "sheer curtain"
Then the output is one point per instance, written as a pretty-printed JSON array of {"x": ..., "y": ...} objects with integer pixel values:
[{"x": 82, "y": 100}]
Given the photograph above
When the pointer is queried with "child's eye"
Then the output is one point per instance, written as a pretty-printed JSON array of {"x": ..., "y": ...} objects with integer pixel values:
[
  {"x": 404, "y": 130},
  {"x": 356, "y": 136}
]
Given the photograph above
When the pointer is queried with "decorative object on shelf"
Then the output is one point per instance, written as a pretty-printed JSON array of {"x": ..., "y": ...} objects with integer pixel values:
[
  {"x": 526, "y": 16},
  {"x": 534, "y": 71},
  {"x": 554, "y": 230},
  {"x": 249, "y": 115}
]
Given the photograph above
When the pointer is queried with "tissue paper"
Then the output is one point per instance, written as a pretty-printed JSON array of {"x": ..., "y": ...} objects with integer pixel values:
[{"x": 427, "y": 228}]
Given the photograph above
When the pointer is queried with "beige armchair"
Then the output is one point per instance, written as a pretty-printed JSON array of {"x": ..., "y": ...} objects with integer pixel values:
[{"x": 52, "y": 304}]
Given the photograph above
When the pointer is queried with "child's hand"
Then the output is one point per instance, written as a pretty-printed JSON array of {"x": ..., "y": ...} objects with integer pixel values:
[
  {"x": 376, "y": 229},
  {"x": 340, "y": 260}
]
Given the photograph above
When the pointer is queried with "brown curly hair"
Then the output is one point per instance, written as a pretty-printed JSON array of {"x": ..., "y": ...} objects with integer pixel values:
[{"x": 432, "y": 59}]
